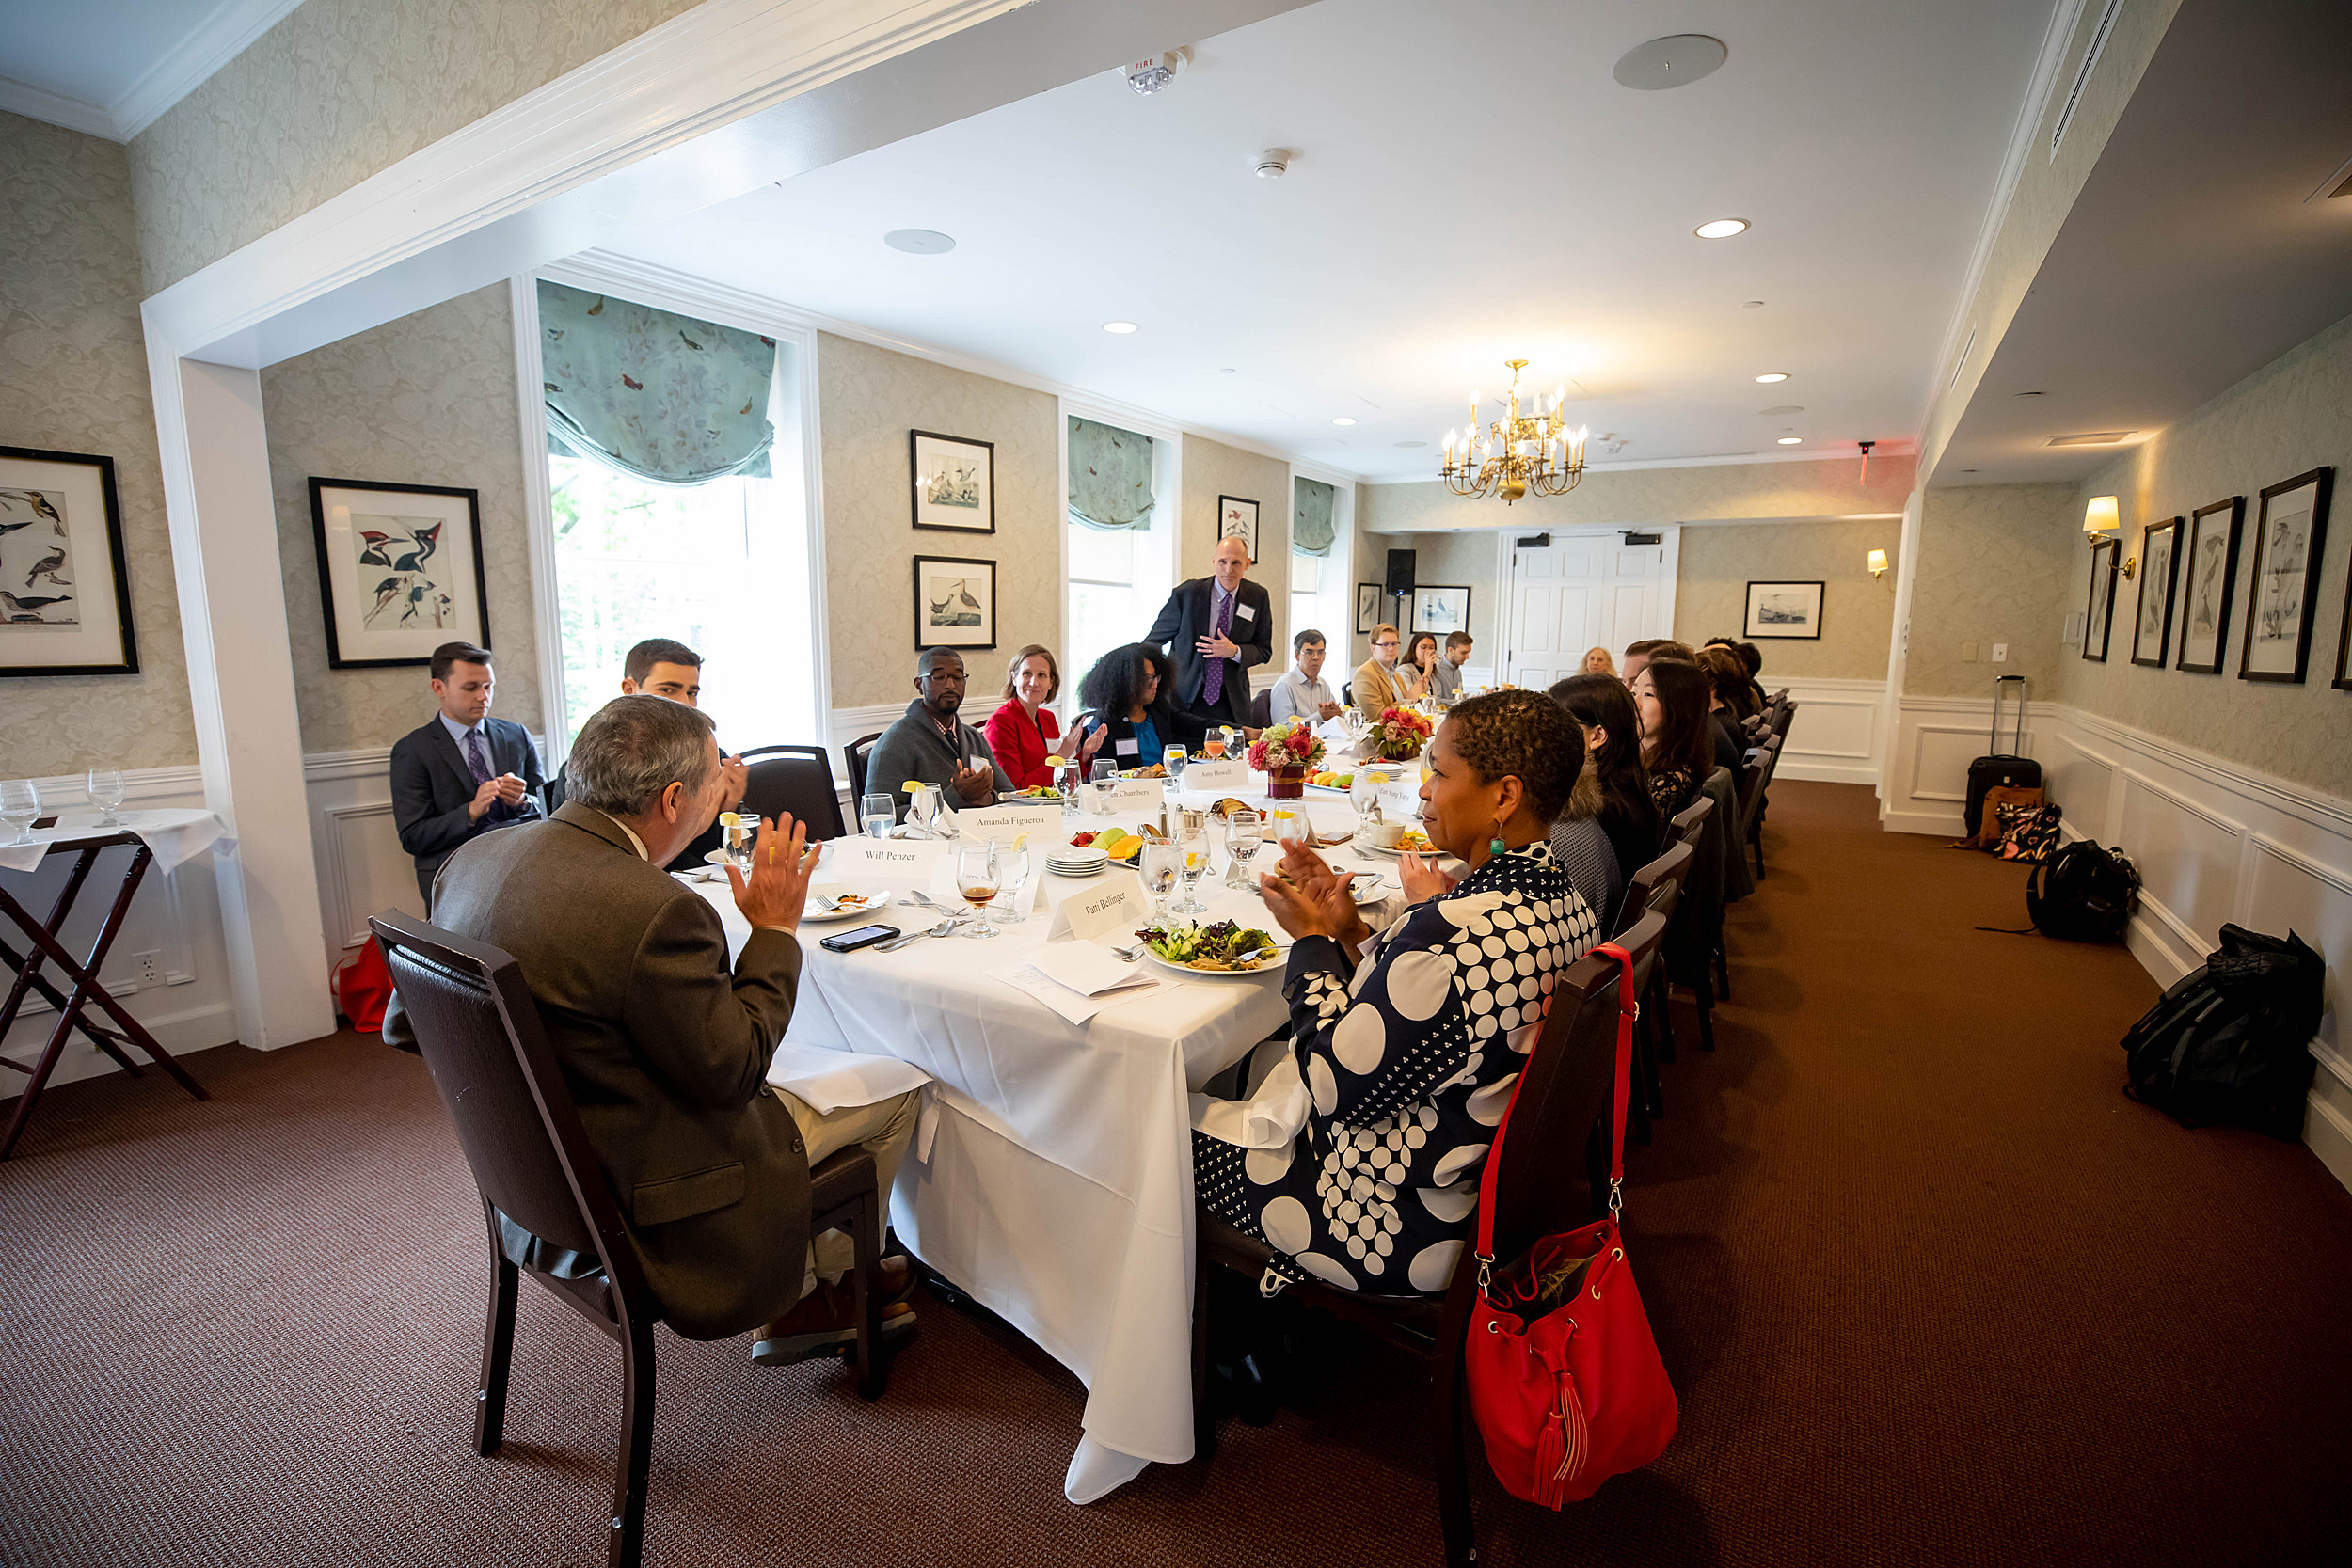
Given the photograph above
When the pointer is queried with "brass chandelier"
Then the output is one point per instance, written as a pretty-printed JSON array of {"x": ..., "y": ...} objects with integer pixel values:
[{"x": 1534, "y": 452}]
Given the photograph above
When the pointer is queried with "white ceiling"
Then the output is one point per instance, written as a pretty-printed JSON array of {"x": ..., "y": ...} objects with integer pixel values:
[
  {"x": 1470, "y": 185},
  {"x": 111, "y": 67}
]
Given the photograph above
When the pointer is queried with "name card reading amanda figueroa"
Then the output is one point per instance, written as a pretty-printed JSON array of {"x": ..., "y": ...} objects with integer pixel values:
[
  {"x": 1006, "y": 823},
  {"x": 1113, "y": 909},
  {"x": 897, "y": 860}
]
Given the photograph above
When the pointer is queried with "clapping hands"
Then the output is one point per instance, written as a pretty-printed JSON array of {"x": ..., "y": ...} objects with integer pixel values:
[{"x": 1308, "y": 898}]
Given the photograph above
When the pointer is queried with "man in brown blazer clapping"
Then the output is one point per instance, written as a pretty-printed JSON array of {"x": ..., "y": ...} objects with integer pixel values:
[{"x": 664, "y": 1047}]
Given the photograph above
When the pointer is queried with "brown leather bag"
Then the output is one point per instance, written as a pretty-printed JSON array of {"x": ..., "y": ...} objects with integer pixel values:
[{"x": 1988, "y": 835}]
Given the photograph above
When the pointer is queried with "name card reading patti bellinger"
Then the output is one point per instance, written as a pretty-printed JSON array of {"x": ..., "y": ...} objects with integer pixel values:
[
  {"x": 1114, "y": 909},
  {"x": 897, "y": 860}
]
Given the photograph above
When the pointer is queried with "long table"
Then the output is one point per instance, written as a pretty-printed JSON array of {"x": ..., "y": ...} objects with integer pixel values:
[{"x": 1056, "y": 1186}]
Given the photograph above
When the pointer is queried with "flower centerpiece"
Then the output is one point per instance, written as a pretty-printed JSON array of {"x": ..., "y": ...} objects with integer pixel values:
[
  {"x": 1399, "y": 734},
  {"x": 1284, "y": 752}
]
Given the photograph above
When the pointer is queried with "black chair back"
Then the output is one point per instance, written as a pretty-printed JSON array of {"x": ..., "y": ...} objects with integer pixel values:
[
  {"x": 1691, "y": 821},
  {"x": 798, "y": 779},
  {"x": 857, "y": 752},
  {"x": 1262, "y": 710},
  {"x": 1761, "y": 760},
  {"x": 557, "y": 788},
  {"x": 479, "y": 1032},
  {"x": 1655, "y": 886}
]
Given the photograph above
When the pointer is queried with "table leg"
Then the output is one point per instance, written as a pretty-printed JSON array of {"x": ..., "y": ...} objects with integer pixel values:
[{"x": 28, "y": 975}]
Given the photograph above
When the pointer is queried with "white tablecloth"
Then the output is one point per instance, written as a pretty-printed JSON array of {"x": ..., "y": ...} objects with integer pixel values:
[
  {"x": 176, "y": 837},
  {"x": 1058, "y": 1185}
]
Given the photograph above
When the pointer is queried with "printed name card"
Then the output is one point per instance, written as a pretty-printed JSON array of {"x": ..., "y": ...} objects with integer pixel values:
[
  {"x": 1112, "y": 909},
  {"x": 895, "y": 859},
  {"x": 1223, "y": 778},
  {"x": 1004, "y": 824},
  {"x": 1123, "y": 796}
]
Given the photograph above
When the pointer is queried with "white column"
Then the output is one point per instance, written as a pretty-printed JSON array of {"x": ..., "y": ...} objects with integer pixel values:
[
  {"x": 249, "y": 736},
  {"x": 1898, "y": 647}
]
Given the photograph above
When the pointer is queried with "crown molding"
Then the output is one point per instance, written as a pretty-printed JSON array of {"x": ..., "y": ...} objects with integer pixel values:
[
  {"x": 1730, "y": 460},
  {"x": 23, "y": 98},
  {"x": 221, "y": 37}
]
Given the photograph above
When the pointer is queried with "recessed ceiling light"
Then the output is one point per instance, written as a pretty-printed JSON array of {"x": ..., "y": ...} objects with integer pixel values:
[
  {"x": 2026, "y": 394},
  {"x": 1721, "y": 229},
  {"x": 1342, "y": 419},
  {"x": 1753, "y": 304},
  {"x": 1790, "y": 440},
  {"x": 1771, "y": 376},
  {"x": 1408, "y": 445},
  {"x": 1676, "y": 61},
  {"x": 920, "y": 242},
  {"x": 1123, "y": 328},
  {"x": 1779, "y": 408},
  {"x": 1227, "y": 370}
]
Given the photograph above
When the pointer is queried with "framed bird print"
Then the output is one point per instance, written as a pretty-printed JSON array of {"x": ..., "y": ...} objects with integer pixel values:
[
  {"x": 2152, "y": 630},
  {"x": 955, "y": 601},
  {"x": 2283, "y": 598},
  {"x": 65, "y": 596},
  {"x": 1238, "y": 518},
  {"x": 399, "y": 570},
  {"x": 2208, "y": 575},
  {"x": 954, "y": 480}
]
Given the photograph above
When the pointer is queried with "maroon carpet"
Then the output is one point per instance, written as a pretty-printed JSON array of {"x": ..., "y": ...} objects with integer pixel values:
[{"x": 1930, "y": 1289}]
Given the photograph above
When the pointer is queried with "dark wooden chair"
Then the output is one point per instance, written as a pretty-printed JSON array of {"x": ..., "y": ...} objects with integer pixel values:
[
  {"x": 1698, "y": 916},
  {"x": 557, "y": 788},
  {"x": 481, "y": 1039},
  {"x": 1763, "y": 761},
  {"x": 1262, "y": 709},
  {"x": 1570, "y": 1076},
  {"x": 798, "y": 779},
  {"x": 1656, "y": 888},
  {"x": 857, "y": 752}
]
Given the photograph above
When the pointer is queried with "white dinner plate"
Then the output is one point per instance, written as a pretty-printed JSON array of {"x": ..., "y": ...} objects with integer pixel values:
[
  {"x": 1326, "y": 789},
  {"x": 1369, "y": 847},
  {"x": 714, "y": 857},
  {"x": 1272, "y": 966},
  {"x": 831, "y": 901}
]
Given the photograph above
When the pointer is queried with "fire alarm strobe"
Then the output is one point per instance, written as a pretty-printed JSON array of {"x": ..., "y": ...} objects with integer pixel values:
[{"x": 1149, "y": 75}]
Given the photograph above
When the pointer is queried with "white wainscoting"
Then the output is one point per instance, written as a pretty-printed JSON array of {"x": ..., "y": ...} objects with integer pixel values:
[
  {"x": 2213, "y": 841},
  {"x": 1838, "y": 734}
]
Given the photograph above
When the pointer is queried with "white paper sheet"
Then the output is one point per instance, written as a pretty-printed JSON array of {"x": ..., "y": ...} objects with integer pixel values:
[{"x": 1034, "y": 982}]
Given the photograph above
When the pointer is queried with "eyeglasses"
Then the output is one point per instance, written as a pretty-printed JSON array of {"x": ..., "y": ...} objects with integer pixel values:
[{"x": 1390, "y": 643}]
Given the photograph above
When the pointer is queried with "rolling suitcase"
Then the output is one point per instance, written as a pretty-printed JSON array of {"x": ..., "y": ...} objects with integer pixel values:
[{"x": 2001, "y": 768}]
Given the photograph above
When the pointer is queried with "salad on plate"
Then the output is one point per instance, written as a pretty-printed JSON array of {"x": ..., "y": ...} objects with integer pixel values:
[{"x": 1223, "y": 946}]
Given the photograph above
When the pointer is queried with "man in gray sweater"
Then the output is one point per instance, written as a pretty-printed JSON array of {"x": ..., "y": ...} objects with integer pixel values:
[{"x": 930, "y": 744}]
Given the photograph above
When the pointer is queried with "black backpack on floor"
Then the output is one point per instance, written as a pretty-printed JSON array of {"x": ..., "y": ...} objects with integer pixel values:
[
  {"x": 2082, "y": 892},
  {"x": 2232, "y": 1041}
]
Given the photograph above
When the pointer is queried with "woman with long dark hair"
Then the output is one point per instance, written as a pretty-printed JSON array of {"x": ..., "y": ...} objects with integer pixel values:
[
  {"x": 1612, "y": 741},
  {"x": 1130, "y": 695},
  {"x": 1678, "y": 745}
]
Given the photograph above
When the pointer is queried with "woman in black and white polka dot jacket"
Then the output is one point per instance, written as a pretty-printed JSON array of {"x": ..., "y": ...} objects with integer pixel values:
[{"x": 1410, "y": 1041}]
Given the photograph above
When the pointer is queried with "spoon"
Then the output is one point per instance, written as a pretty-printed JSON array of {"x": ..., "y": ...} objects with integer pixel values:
[{"x": 894, "y": 943}]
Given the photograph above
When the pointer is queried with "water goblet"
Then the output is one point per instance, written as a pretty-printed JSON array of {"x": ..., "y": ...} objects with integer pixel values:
[
  {"x": 20, "y": 803},
  {"x": 1192, "y": 843},
  {"x": 1068, "y": 776},
  {"x": 105, "y": 792},
  {"x": 1241, "y": 843},
  {"x": 740, "y": 836},
  {"x": 923, "y": 809},
  {"x": 1104, "y": 773},
  {"x": 876, "y": 813},
  {"x": 977, "y": 879},
  {"x": 1012, "y": 875},
  {"x": 1173, "y": 759},
  {"x": 1159, "y": 865}
]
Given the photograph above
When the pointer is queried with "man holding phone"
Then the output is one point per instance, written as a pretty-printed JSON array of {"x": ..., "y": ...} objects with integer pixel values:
[{"x": 463, "y": 773}]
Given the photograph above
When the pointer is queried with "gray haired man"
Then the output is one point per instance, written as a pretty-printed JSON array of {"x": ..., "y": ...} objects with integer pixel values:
[{"x": 663, "y": 1043}]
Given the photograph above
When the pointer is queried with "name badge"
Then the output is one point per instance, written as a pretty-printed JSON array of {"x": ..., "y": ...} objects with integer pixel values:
[
  {"x": 1003, "y": 824},
  {"x": 1245, "y": 611},
  {"x": 1126, "y": 748},
  {"x": 894, "y": 859},
  {"x": 1121, "y": 796},
  {"x": 1116, "y": 907},
  {"x": 1223, "y": 777}
]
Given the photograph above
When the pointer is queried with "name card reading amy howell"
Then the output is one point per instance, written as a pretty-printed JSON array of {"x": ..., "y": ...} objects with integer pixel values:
[
  {"x": 897, "y": 860},
  {"x": 1222, "y": 776},
  {"x": 1113, "y": 909}
]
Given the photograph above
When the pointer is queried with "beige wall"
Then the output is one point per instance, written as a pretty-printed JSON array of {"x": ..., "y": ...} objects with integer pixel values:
[
  {"x": 340, "y": 90},
  {"x": 870, "y": 399},
  {"x": 425, "y": 399},
  {"x": 1719, "y": 561},
  {"x": 74, "y": 378},
  {"x": 1635, "y": 498},
  {"x": 1212, "y": 468},
  {"x": 2291, "y": 416},
  {"x": 1993, "y": 561}
]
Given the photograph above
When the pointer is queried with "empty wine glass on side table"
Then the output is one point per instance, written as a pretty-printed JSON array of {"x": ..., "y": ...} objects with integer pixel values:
[
  {"x": 19, "y": 804},
  {"x": 976, "y": 879},
  {"x": 105, "y": 792}
]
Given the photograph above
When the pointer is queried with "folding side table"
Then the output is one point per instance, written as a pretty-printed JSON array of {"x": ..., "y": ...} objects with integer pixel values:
[{"x": 74, "y": 1009}]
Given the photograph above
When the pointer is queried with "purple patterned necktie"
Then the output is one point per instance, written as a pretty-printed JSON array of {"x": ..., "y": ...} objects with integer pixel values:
[
  {"x": 1214, "y": 688},
  {"x": 478, "y": 760}
]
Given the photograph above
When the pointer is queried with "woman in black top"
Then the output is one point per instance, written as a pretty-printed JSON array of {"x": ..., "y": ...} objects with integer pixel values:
[
  {"x": 1677, "y": 750},
  {"x": 1612, "y": 745},
  {"x": 1129, "y": 693}
]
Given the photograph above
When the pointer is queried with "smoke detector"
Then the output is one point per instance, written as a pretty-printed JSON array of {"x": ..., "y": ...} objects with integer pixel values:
[
  {"x": 1149, "y": 75},
  {"x": 1273, "y": 163}
]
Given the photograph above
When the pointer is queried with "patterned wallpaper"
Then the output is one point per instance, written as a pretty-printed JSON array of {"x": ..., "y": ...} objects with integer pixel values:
[
  {"x": 74, "y": 378},
  {"x": 1212, "y": 468},
  {"x": 870, "y": 399},
  {"x": 340, "y": 90},
  {"x": 430, "y": 399},
  {"x": 1857, "y": 612},
  {"x": 2291, "y": 416},
  {"x": 1631, "y": 498},
  {"x": 1993, "y": 561}
]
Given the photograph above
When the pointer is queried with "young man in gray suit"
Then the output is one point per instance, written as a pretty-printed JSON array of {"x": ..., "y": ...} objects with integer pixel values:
[
  {"x": 665, "y": 1046},
  {"x": 463, "y": 773}
]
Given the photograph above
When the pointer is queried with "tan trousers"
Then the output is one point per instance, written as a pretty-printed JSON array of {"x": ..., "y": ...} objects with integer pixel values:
[{"x": 883, "y": 1130}]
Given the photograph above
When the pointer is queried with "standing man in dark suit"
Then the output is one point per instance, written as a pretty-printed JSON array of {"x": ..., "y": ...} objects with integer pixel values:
[
  {"x": 463, "y": 773},
  {"x": 1216, "y": 628}
]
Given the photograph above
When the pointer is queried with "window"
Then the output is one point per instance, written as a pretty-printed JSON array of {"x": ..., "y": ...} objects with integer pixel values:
[
  {"x": 1323, "y": 597},
  {"x": 1116, "y": 576},
  {"x": 722, "y": 566}
]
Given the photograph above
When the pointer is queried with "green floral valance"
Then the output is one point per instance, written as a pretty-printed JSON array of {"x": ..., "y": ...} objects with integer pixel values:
[
  {"x": 666, "y": 398},
  {"x": 1314, "y": 511},
  {"x": 1110, "y": 476}
]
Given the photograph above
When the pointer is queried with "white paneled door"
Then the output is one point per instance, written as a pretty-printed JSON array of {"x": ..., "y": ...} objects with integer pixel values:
[{"x": 1575, "y": 592}]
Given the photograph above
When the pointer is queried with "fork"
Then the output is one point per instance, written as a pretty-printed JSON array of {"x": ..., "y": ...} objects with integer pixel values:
[{"x": 1128, "y": 954}]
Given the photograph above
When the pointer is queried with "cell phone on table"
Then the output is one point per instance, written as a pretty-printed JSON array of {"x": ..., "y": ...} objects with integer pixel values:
[{"x": 864, "y": 936}]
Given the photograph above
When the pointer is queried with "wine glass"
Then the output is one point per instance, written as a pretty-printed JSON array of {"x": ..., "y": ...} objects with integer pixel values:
[
  {"x": 923, "y": 809},
  {"x": 1241, "y": 843},
  {"x": 876, "y": 813},
  {"x": 1173, "y": 759},
  {"x": 1213, "y": 744},
  {"x": 105, "y": 792},
  {"x": 1292, "y": 826},
  {"x": 977, "y": 879},
  {"x": 20, "y": 803},
  {"x": 740, "y": 836},
  {"x": 1364, "y": 793},
  {"x": 1068, "y": 776},
  {"x": 1160, "y": 864},
  {"x": 1192, "y": 842},
  {"x": 1104, "y": 772},
  {"x": 1013, "y": 875}
]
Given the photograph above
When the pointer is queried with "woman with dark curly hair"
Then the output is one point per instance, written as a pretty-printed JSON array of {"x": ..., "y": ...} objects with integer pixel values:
[
  {"x": 1131, "y": 714},
  {"x": 1678, "y": 745},
  {"x": 1401, "y": 1063}
]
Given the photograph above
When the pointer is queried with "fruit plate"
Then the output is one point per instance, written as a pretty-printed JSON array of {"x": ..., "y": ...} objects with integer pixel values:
[
  {"x": 1324, "y": 789},
  {"x": 831, "y": 901}
]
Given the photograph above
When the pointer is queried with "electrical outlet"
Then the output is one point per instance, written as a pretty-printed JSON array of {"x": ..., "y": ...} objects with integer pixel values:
[
  {"x": 149, "y": 967},
  {"x": 1968, "y": 653},
  {"x": 2000, "y": 653}
]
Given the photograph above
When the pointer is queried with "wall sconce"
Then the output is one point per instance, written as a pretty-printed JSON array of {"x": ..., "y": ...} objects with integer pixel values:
[
  {"x": 2101, "y": 517},
  {"x": 1877, "y": 564}
]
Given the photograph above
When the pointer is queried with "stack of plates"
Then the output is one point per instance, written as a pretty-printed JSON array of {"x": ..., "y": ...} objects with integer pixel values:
[{"x": 1071, "y": 861}]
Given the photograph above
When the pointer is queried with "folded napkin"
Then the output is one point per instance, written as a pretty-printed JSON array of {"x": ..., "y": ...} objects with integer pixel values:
[
  {"x": 1087, "y": 969},
  {"x": 826, "y": 1081},
  {"x": 1270, "y": 1118}
]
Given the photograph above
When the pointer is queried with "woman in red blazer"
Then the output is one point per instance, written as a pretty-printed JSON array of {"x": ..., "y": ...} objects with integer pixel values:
[{"x": 1023, "y": 732}]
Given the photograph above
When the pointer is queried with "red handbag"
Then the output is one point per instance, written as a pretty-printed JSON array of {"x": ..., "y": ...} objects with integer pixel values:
[
  {"x": 363, "y": 987},
  {"x": 1564, "y": 1375}
]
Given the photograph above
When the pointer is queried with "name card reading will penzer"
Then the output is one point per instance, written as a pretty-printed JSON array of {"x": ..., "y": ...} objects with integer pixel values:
[
  {"x": 899, "y": 860},
  {"x": 1113, "y": 909},
  {"x": 1224, "y": 777},
  {"x": 1003, "y": 824}
]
